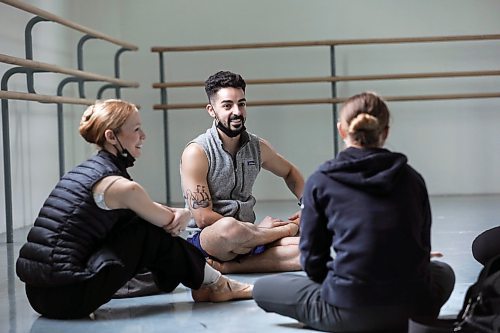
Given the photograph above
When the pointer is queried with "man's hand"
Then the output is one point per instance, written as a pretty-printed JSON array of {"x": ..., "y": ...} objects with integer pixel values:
[
  {"x": 271, "y": 222},
  {"x": 295, "y": 217}
]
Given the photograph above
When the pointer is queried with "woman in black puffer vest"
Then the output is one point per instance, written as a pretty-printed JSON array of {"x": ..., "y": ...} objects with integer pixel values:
[{"x": 98, "y": 229}]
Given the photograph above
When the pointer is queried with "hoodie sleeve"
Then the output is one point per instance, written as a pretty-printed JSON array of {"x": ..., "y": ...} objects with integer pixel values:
[
  {"x": 315, "y": 238},
  {"x": 426, "y": 209}
]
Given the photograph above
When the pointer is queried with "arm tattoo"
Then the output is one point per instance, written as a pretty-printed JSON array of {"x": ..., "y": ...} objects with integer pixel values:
[{"x": 198, "y": 199}]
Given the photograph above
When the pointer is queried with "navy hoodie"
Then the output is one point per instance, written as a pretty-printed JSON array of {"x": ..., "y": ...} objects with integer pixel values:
[{"x": 370, "y": 211}]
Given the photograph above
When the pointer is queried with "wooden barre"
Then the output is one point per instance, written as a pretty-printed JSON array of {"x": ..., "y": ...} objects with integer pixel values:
[
  {"x": 338, "y": 100},
  {"x": 51, "y": 17},
  {"x": 441, "y": 97},
  {"x": 48, "y": 98},
  {"x": 56, "y": 69},
  {"x": 44, "y": 98},
  {"x": 463, "y": 38},
  {"x": 340, "y": 78}
]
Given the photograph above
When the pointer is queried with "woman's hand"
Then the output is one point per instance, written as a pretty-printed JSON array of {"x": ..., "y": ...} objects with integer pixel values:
[{"x": 182, "y": 216}]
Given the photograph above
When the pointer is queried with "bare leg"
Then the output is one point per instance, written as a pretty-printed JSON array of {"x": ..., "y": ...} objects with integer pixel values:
[
  {"x": 286, "y": 241},
  {"x": 280, "y": 258},
  {"x": 228, "y": 237}
]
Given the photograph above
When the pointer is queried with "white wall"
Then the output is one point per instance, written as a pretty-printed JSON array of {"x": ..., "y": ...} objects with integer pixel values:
[{"x": 454, "y": 144}]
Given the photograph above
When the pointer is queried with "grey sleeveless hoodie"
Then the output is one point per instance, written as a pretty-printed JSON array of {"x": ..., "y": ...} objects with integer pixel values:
[{"x": 231, "y": 179}]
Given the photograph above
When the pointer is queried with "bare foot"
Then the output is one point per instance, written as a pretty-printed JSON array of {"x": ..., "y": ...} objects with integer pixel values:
[{"x": 217, "y": 265}]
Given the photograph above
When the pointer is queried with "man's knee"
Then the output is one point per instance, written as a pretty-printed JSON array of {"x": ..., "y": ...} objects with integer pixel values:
[
  {"x": 227, "y": 228},
  {"x": 220, "y": 236}
]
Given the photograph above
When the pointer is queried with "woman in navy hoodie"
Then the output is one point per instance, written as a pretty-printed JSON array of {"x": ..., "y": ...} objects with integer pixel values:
[{"x": 364, "y": 237}]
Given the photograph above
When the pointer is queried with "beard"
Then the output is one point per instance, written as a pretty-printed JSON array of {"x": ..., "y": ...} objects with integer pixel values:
[{"x": 227, "y": 129}]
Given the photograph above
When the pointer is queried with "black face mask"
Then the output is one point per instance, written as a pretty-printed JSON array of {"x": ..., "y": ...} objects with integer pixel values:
[
  {"x": 229, "y": 132},
  {"x": 124, "y": 156}
]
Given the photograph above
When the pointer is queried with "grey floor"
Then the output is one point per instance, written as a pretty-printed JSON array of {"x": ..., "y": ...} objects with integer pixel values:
[{"x": 457, "y": 220}]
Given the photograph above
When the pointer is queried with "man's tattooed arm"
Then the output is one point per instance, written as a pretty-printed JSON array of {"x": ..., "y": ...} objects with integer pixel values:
[{"x": 198, "y": 199}]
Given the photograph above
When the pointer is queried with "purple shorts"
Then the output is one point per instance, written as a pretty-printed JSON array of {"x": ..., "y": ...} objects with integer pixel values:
[{"x": 195, "y": 240}]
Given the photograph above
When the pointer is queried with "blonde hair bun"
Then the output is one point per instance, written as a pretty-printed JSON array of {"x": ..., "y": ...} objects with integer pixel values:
[
  {"x": 365, "y": 117},
  {"x": 363, "y": 122},
  {"x": 108, "y": 114}
]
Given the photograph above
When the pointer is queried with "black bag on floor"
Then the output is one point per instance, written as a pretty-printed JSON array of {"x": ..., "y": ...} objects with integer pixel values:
[{"x": 481, "y": 309}]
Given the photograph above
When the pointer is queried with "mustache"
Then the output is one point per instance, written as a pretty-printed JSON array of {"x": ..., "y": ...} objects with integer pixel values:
[{"x": 237, "y": 117}]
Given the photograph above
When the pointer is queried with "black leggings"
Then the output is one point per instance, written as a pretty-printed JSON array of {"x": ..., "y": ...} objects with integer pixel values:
[
  {"x": 138, "y": 245},
  {"x": 486, "y": 245}
]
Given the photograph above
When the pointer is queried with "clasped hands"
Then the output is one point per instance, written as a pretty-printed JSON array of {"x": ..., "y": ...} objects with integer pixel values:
[{"x": 181, "y": 219}]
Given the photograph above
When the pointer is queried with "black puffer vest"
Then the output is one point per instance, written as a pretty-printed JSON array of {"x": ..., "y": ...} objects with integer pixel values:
[{"x": 66, "y": 242}]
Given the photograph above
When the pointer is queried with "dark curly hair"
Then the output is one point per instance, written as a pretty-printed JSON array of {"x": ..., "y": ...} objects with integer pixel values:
[{"x": 223, "y": 79}]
